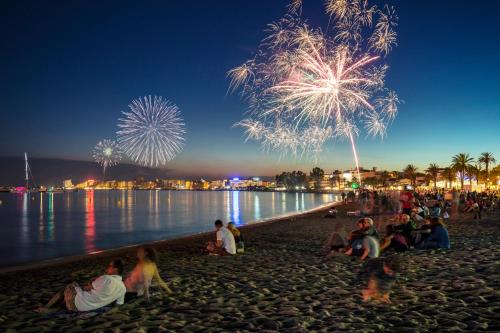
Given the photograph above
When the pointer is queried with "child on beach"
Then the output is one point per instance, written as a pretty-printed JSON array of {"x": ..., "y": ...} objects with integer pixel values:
[
  {"x": 379, "y": 276},
  {"x": 141, "y": 277},
  {"x": 103, "y": 291}
]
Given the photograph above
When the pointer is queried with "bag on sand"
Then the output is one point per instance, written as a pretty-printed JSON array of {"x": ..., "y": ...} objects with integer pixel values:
[{"x": 240, "y": 247}]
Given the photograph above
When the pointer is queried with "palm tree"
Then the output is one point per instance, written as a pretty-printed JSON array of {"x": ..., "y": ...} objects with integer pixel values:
[
  {"x": 449, "y": 175},
  {"x": 471, "y": 173},
  {"x": 317, "y": 176},
  {"x": 410, "y": 172},
  {"x": 487, "y": 158},
  {"x": 461, "y": 162},
  {"x": 433, "y": 172}
]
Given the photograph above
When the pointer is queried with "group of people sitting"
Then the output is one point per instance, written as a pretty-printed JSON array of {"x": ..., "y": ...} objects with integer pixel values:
[
  {"x": 228, "y": 240},
  {"x": 402, "y": 234},
  {"x": 110, "y": 287}
]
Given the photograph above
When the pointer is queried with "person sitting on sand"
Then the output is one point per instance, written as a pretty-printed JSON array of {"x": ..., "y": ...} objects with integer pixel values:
[
  {"x": 438, "y": 238},
  {"x": 224, "y": 243},
  {"x": 418, "y": 213},
  {"x": 332, "y": 213},
  {"x": 103, "y": 291},
  {"x": 141, "y": 277},
  {"x": 406, "y": 226},
  {"x": 393, "y": 240},
  {"x": 238, "y": 237},
  {"x": 336, "y": 243},
  {"x": 436, "y": 210},
  {"x": 420, "y": 234},
  {"x": 366, "y": 247},
  {"x": 362, "y": 244},
  {"x": 369, "y": 228},
  {"x": 381, "y": 275}
]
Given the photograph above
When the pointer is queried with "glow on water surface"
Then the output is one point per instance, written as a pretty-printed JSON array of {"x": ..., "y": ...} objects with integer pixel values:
[{"x": 39, "y": 226}]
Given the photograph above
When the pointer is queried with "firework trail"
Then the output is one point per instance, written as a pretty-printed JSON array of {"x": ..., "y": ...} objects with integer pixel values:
[
  {"x": 152, "y": 133},
  {"x": 107, "y": 153},
  {"x": 304, "y": 87}
]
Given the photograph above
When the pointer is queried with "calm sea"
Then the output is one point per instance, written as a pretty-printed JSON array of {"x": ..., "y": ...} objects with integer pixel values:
[{"x": 36, "y": 226}]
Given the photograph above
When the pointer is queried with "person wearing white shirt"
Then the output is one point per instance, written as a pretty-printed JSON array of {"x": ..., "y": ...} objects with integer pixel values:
[
  {"x": 225, "y": 243},
  {"x": 104, "y": 290}
]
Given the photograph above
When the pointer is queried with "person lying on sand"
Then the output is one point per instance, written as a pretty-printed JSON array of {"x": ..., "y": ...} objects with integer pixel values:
[
  {"x": 379, "y": 276},
  {"x": 141, "y": 277},
  {"x": 103, "y": 291},
  {"x": 332, "y": 213},
  {"x": 224, "y": 244}
]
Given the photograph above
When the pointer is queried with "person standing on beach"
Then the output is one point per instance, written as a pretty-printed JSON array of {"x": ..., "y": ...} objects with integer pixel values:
[
  {"x": 224, "y": 244},
  {"x": 103, "y": 291},
  {"x": 406, "y": 202}
]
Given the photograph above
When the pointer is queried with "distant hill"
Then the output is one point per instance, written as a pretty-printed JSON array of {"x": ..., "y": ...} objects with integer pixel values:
[{"x": 49, "y": 171}]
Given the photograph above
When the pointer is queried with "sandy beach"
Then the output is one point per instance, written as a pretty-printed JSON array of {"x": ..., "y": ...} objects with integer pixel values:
[{"x": 280, "y": 284}]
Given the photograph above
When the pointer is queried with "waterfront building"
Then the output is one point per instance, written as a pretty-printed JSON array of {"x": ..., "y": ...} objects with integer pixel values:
[{"x": 68, "y": 184}]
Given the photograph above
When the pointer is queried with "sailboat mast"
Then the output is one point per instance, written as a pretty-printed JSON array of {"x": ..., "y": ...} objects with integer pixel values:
[{"x": 26, "y": 170}]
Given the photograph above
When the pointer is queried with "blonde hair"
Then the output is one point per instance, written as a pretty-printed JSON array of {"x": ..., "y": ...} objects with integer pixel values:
[{"x": 233, "y": 229}]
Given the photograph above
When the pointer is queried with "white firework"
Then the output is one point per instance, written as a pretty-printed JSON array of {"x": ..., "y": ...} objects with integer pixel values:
[
  {"x": 152, "y": 133},
  {"x": 107, "y": 153},
  {"x": 306, "y": 86}
]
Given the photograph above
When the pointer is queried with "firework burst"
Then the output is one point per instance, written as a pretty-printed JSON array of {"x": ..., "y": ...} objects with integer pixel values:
[
  {"x": 107, "y": 153},
  {"x": 305, "y": 87},
  {"x": 152, "y": 133}
]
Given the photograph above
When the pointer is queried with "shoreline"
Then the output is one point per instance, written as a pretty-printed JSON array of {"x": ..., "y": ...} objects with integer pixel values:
[
  {"x": 185, "y": 238},
  {"x": 281, "y": 284}
]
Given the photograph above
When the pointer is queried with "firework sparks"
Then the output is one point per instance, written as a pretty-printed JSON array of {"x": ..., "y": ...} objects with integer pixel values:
[
  {"x": 107, "y": 153},
  {"x": 153, "y": 132},
  {"x": 305, "y": 88}
]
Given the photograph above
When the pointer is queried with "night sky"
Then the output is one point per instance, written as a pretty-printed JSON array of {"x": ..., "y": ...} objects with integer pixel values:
[{"x": 68, "y": 68}]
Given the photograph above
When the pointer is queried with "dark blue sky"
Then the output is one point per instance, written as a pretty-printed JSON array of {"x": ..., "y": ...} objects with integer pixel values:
[{"x": 67, "y": 69}]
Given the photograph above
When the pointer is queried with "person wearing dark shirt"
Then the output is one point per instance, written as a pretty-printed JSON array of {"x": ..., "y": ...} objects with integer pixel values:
[
  {"x": 438, "y": 238},
  {"x": 393, "y": 240},
  {"x": 406, "y": 226}
]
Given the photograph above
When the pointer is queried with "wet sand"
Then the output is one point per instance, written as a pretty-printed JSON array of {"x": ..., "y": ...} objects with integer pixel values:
[{"x": 281, "y": 284}]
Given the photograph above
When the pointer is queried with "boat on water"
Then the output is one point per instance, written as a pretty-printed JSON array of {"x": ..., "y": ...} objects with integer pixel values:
[{"x": 27, "y": 172}]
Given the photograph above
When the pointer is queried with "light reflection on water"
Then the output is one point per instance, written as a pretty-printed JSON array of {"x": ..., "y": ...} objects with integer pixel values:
[{"x": 37, "y": 226}]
